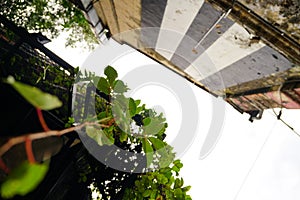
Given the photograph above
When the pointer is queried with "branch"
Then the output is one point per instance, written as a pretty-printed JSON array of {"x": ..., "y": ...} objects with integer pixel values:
[
  {"x": 29, "y": 152},
  {"x": 42, "y": 120},
  {"x": 34, "y": 136},
  {"x": 4, "y": 167}
]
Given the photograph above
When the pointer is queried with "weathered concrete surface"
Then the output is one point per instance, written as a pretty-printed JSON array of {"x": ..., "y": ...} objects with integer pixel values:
[
  {"x": 285, "y": 15},
  {"x": 273, "y": 82},
  {"x": 258, "y": 65},
  {"x": 152, "y": 16},
  {"x": 187, "y": 52},
  {"x": 264, "y": 30}
]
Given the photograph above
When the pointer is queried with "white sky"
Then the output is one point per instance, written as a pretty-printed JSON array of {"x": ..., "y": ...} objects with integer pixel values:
[{"x": 259, "y": 160}]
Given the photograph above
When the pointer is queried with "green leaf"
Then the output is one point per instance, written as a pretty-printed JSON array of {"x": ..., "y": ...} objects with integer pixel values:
[
  {"x": 23, "y": 179},
  {"x": 175, "y": 169},
  {"x": 175, "y": 162},
  {"x": 171, "y": 179},
  {"x": 169, "y": 195},
  {"x": 101, "y": 115},
  {"x": 181, "y": 182},
  {"x": 84, "y": 178},
  {"x": 159, "y": 197},
  {"x": 108, "y": 137},
  {"x": 178, "y": 164},
  {"x": 186, "y": 189},
  {"x": 146, "y": 121},
  {"x": 148, "y": 151},
  {"x": 94, "y": 134},
  {"x": 111, "y": 74},
  {"x": 178, "y": 192},
  {"x": 153, "y": 194},
  {"x": 137, "y": 102},
  {"x": 123, "y": 136},
  {"x": 157, "y": 143},
  {"x": 132, "y": 107},
  {"x": 138, "y": 110},
  {"x": 147, "y": 193},
  {"x": 35, "y": 96},
  {"x": 147, "y": 146},
  {"x": 122, "y": 118},
  {"x": 70, "y": 122},
  {"x": 95, "y": 79},
  {"x": 103, "y": 85},
  {"x": 162, "y": 131},
  {"x": 161, "y": 179},
  {"x": 137, "y": 183},
  {"x": 188, "y": 197},
  {"x": 178, "y": 183},
  {"x": 99, "y": 136},
  {"x": 153, "y": 128},
  {"x": 167, "y": 156},
  {"x": 120, "y": 87}
]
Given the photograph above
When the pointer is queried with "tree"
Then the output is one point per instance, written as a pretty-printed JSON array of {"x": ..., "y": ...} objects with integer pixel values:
[
  {"x": 50, "y": 18},
  {"x": 121, "y": 124}
]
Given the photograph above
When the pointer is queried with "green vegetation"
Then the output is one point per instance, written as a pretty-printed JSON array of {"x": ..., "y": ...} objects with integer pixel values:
[
  {"x": 121, "y": 122},
  {"x": 158, "y": 185},
  {"x": 23, "y": 179},
  {"x": 50, "y": 18}
]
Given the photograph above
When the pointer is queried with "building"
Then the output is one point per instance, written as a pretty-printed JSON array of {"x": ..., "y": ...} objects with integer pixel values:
[
  {"x": 231, "y": 49},
  {"x": 23, "y": 56}
]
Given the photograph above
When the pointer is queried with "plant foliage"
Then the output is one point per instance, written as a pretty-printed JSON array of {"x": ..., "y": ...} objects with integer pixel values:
[
  {"x": 50, "y": 18},
  {"x": 35, "y": 96},
  {"x": 23, "y": 179},
  {"x": 134, "y": 124},
  {"x": 126, "y": 124},
  {"x": 161, "y": 184}
]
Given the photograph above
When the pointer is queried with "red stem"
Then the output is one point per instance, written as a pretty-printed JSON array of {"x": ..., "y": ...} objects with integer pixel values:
[
  {"x": 4, "y": 167},
  {"x": 42, "y": 120},
  {"x": 28, "y": 147}
]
